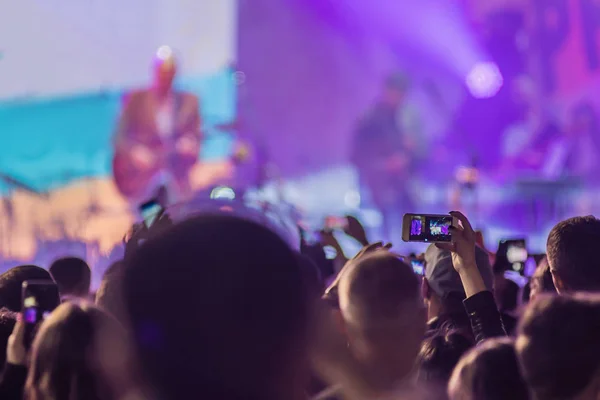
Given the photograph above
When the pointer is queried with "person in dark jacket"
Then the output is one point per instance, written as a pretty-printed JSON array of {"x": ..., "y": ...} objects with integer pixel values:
[{"x": 448, "y": 304}]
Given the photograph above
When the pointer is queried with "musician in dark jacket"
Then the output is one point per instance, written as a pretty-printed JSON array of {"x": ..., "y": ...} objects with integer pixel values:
[
  {"x": 383, "y": 153},
  {"x": 158, "y": 136}
]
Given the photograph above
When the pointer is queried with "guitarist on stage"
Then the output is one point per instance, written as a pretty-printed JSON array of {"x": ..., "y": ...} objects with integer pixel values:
[
  {"x": 158, "y": 137},
  {"x": 384, "y": 155}
]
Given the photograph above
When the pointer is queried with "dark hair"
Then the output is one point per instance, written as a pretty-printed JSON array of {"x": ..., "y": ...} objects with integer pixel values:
[
  {"x": 218, "y": 308},
  {"x": 558, "y": 344},
  {"x": 439, "y": 355},
  {"x": 11, "y": 283},
  {"x": 72, "y": 275},
  {"x": 489, "y": 371},
  {"x": 508, "y": 296},
  {"x": 572, "y": 253},
  {"x": 109, "y": 295},
  {"x": 63, "y": 363}
]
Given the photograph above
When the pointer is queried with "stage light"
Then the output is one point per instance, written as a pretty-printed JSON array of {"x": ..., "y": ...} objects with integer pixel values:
[
  {"x": 484, "y": 80},
  {"x": 352, "y": 199},
  {"x": 222, "y": 193},
  {"x": 164, "y": 53}
]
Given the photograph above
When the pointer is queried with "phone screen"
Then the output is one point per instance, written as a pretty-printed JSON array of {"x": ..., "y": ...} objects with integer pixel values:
[
  {"x": 429, "y": 228},
  {"x": 418, "y": 267},
  {"x": 150, "y": 211},
  {"x": 39, "y": 298},
  {"x": 516, "y": 253}
]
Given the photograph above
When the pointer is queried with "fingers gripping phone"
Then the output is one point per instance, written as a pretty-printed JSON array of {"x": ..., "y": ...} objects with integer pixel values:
[
  {"x": 38, "y": 298},
  {"x": 429, "y": 228}
]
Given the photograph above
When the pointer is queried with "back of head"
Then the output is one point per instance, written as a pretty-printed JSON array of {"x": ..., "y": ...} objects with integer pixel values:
[
  {"x": 380, "y": 300},
  {"x": 72, "y": 275},
  {"x": 558, "y": 345},
  {"x": 218, "y": 308},
  {"x": 572, "y": 256},
  {"x": 11, "y": 283},
  {"x": 439, "y": 355},
  {"x": 109, "y": 294},
  {"x": 445, "y": 282},
  {"x": 489, "y": 371},
  {"x": 64, "y": 364}
]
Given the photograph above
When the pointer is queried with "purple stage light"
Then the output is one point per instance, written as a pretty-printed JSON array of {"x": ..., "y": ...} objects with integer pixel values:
[{"x": 484, "y": 80}]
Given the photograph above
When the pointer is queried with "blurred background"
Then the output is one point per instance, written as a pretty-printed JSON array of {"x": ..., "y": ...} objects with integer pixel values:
[{"x": 497, "y": 100}]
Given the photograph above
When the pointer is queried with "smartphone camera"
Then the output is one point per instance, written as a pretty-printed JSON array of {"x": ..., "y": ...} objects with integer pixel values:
[
  {"x": 151, "y": 211},
  {"x": 427, "y": 228},
  {"x": 515, "y": 253}
]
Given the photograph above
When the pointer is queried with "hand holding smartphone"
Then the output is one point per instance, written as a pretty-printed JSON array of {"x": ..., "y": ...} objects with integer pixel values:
[
  {"x": 39, "y": 298},
  {"x": 151, "y": 211},
  {"x": 428, "y": 228}
]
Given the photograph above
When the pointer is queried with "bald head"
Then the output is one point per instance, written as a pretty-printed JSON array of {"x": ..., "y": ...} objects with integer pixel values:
[
  {"x": 384, "y": 316},
  {"x": 378, "y": 289}
]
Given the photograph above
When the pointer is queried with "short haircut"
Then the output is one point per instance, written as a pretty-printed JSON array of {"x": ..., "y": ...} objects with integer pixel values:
[
  {"x": 217, "y": 304},
  {"x": 72, "y": 275},
  {"x": 571, "y": 249},
  {"x": 489, "y": 371},
  {"x": 558, "y": 345},
  {"x": 11, "y": 286},
  {"x": 378, "y": 288}
]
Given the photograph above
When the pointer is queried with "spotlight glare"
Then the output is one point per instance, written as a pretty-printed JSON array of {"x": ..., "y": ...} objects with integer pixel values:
[{"x": 484, "y": 80}]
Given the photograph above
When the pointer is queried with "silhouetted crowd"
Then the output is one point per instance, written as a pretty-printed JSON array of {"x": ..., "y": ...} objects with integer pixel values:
[{"x": 220, "y": 307}]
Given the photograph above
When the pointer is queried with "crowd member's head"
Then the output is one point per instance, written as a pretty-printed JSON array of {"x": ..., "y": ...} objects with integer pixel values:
[
  {"x": 109, "y": 294},
  {"x": 571, "y": 249},
  {"x": 72, "y": 355},
  {"x": 218, "y": 308},
  {"x": 541, "y": 281},
  {"x": 442, "y": 287},
  {"x": 489, "y": 371},
  {"x": 439, "y": 355},
  {"x": 558, "y": 347},
  {"x": 72, "y": 276},
  {"x": 11, "y": 283},
  {"x": 380, "y": 302}
]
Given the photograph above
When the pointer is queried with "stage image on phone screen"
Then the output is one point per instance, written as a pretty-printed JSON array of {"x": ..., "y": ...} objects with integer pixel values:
[
  {"x": 150, "y": 211},
  {"x": 418, "y": 267},
  {"x": 430, "y": 228}
]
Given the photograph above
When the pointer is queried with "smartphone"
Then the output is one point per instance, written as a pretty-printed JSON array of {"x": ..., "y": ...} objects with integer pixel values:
[
  {"x": 151, "y": 212},
  {"x": 336, "y": 223},
  {"x": 418, "y": 267},
  {"x": 38, "y": 300},
  {"x": 516, "y": 253},
  {"x": 429, "y": 228}
]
